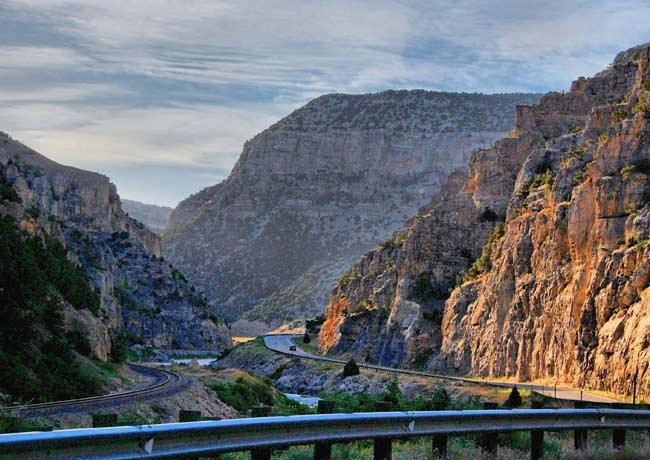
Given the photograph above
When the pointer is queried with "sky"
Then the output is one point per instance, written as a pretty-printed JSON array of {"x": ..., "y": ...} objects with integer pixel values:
[{"x": 160, "y": 95}]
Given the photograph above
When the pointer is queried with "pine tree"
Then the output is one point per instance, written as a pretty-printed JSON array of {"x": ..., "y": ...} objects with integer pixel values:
[
  {"x": 350, "y": 368},
  {"x": 514, "y": 399}
]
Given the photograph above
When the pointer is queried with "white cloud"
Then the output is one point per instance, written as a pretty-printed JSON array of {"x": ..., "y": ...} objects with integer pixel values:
[
  {"x": 186, "y": 82},
  {"x": 60, "y": 93},
  {"x": 34, "y": 58},
  {"x": 191, "y": 136}
]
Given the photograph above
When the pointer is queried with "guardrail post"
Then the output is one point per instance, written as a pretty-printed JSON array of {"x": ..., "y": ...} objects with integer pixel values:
[
  {"x": 536, "y": 436},
  {"x": 261, "y": 453},
  {"x": 383, "y": 446},
  {"x": 579, "y": 436},
  {"x": 104, "y": 420},
  {"x": 618, "y": 435},
  {"x": 439, "y": 441},
  {"x": 489, "y": 440},
  {"x": 323, "y": 450},
  {"x": 618, "y": 439}
]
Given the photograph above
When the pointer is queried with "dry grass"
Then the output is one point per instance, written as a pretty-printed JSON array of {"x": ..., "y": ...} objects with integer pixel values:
[{"x": 241, "y": 339}]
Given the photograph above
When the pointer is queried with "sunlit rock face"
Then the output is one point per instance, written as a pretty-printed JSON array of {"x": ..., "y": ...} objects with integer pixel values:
[
  {"x": 318, "y": 189},
  {"x": 559, "y": 289}
]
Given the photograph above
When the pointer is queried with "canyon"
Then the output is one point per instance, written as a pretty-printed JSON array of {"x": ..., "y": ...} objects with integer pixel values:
[
  {"x": 534, "y": 263},
  {"x": 317, "y": 190}
]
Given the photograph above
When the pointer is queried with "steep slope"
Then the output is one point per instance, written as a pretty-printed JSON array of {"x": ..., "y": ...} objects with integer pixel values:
[
  {"x": 142, "y": 299},
  {"x": 558, "y": 292},
  {"x": 568, "y": 292},
  {"x": 319, "y": 188},
  {"x": 156, "y": 218}
]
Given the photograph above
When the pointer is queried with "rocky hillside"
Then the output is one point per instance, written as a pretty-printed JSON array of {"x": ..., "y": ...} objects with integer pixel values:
[
  {"x": 318, "y": 189},
  {"x": 141, "y": 297},
  {"x": 546, "y": 239},
  {"x": 156, "y": 218}
]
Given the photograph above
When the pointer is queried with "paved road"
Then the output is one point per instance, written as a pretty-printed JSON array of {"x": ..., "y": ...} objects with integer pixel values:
[
  {"x": 162, "y": 383},
  {"x": 282, "y": 344}
]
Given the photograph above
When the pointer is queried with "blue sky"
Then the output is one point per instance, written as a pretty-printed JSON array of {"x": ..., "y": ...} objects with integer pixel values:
[{"x": 161, "y": 94}]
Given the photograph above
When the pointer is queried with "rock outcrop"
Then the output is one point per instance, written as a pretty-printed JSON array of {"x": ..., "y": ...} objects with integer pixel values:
[
  {"x": 143, "y": 299},
  {"x": 557, "y": 221},
  {"x": 321, "y": 187},
  {"x": 156, "y": 218}
]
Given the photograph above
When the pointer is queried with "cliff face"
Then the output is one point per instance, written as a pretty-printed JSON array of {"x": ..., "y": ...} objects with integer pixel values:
[
  {"x": 560, "y": 290},
  {"x": 141, "y": 296},
  {"x": 156, "y": 218},
  {"x": 315, "y": 191},
  {"x": 567, "y": 295}
]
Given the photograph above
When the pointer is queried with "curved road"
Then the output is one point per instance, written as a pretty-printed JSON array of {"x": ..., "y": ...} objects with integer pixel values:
[
  {"x": 164, "y": 384},
  {"x": 282, "y": 344}
]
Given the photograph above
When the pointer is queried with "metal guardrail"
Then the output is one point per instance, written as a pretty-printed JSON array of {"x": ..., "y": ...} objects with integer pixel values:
[{"x": 196, "y": 439}]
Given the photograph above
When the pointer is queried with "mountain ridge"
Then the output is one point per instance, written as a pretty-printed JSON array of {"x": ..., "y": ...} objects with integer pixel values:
[
  {"x": 320, "y": 187},
  {"x": 155, "y": 217}
]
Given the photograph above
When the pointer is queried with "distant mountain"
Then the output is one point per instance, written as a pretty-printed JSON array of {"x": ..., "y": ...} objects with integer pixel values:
[
  {"x": 533, "y": 265},
  {"x": 316, "y": 190},
  {"x": 156, "y": 218},
  {"x": 138, "y": 297}
]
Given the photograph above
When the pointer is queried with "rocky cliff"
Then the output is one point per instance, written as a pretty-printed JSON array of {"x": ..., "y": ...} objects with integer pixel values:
[
  {"x": 547, "y": 238},
  {"x": 142, "y": 298},
  {"x": 321, "y": 187},
  {"x": 156, "y": 218}
]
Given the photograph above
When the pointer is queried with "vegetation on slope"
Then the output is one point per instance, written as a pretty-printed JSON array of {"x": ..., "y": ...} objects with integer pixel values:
[
  {"x": 37, "y": 355},
  {"x": 243, "y": 391}
]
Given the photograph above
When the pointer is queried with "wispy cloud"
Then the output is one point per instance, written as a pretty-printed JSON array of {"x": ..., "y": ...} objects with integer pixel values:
[{"x": 180, "y": 83}]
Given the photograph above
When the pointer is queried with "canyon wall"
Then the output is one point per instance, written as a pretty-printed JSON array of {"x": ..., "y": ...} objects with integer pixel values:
[
  {"x": 142, "y": 298},
  {"x": 534, "y": 264},
  {"x": 318, "y": 189}
]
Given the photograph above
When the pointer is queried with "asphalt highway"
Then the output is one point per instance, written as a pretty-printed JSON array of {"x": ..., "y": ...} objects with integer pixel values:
[{"x": 283, "y": 343}]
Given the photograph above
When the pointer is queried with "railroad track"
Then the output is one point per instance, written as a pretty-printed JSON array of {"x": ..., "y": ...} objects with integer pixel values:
[{"x": 165, "y": 383}]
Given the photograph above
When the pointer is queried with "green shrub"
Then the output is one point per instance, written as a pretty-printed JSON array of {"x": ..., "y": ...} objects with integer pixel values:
[
  {"x": 484, "y": 263},
  {"x": 33, "y": 212},
  {"x": 626, "y": 172},
  {"x": 7, "y": 192},
  {"x": 10, "y": 424},
  {"x": 544, "y": 180},
  {"x": 603, "y": 138},
  {"x": 514, "y": 399},
  {"x": 631, "y": 207},
  {"x": 643, "y": 108},
  {"x": 242, "y": 395},
  {"x": 619, "y": 115},
  {"x": 579, "y": 177},
  {"x": 348, "y": 277},
  {"x": 441, "y": 398},
  {"x": 393, "y": 393},
  {"x": 351, "y": 368}
]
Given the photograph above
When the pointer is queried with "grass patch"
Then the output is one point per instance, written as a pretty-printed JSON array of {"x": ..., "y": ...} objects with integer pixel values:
[{"x": 244, "y": 391}]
